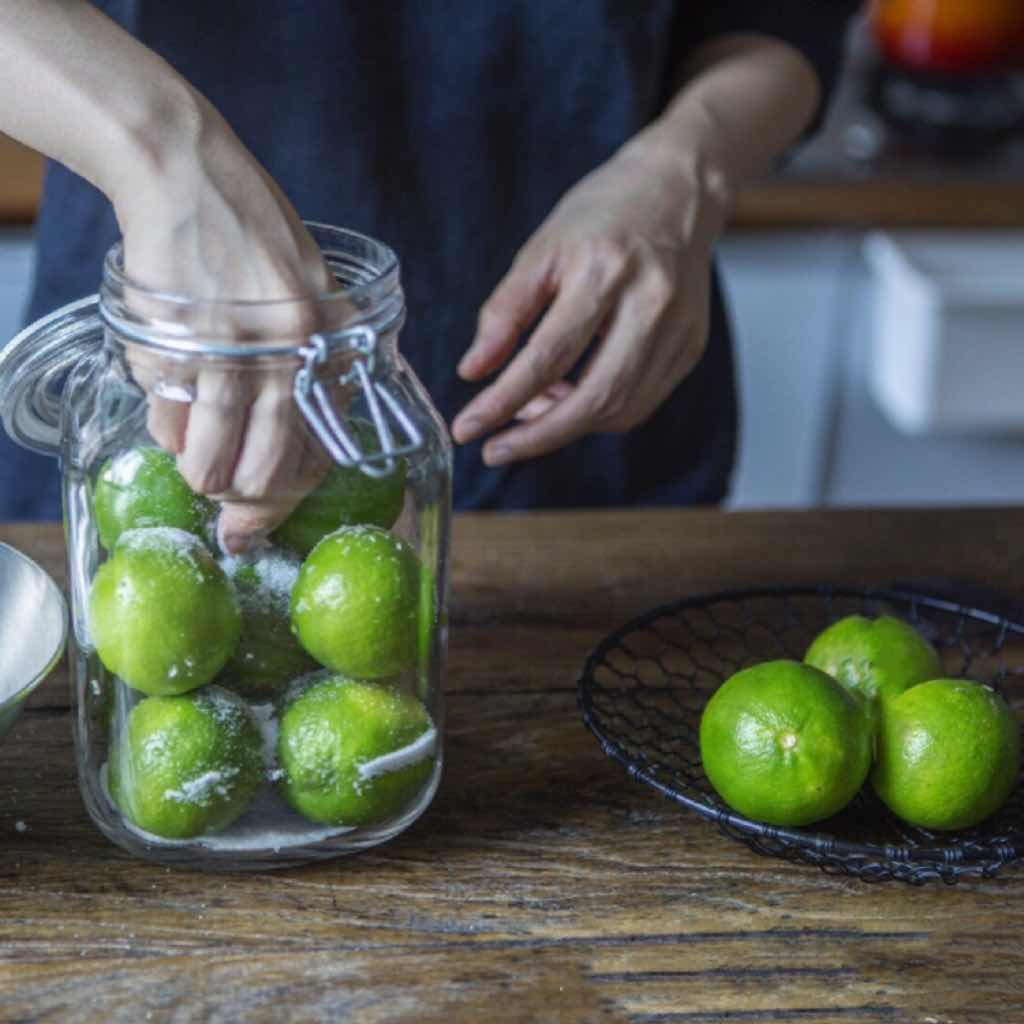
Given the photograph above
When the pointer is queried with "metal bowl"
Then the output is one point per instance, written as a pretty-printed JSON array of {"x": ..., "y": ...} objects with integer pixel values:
[{"x": 33, "y": 631}]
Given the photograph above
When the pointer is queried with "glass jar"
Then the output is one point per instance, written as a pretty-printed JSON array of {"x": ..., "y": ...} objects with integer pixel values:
[{"x": 285, "y": 704}]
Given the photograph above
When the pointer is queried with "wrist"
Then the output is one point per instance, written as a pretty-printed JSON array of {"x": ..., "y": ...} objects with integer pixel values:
[
  {"x": 688, "y": 164},
  {"x": 160, "y": 138}
]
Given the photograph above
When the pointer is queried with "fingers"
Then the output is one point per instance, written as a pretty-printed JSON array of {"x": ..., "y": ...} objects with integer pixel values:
[
  {"x": 246, "y": 524},
  {"x": 167, "y": 422},
  {"x": 243, "y": 525},
  {"x": 586, "y": 294},
  {"x": 544, "y": 401},
  {"x": 213, "y": 436},
  {"x": 629, "y": 376},
  {"x": 514, "y": 305},
  {"x": 273, "y": 443},
  {"x": 168, "y": 392}
]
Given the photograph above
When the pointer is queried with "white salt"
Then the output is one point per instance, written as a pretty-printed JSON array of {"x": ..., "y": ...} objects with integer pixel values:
[
  {"x": 199, "y": 790},
  {"x": 266, "y": 721},
  {"x": 276, "y": 572},
  {"x": 161, "y": 538},
  {"x": 420, "y": 748},
  {"x": 268, "y": 824},
  {"x": 123, "y": 469},
  {"x": 187, "y": 549}
]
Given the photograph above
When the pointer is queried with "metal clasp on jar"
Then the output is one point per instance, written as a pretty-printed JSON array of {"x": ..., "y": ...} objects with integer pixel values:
[{"x": 386, "y": 412}]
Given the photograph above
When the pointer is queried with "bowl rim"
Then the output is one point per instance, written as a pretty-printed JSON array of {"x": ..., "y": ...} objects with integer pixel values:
[{"x": 23, "y": 692}]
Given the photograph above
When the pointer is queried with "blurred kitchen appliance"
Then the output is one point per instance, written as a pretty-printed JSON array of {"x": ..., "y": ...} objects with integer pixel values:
[{"x": 945, "y": 77}]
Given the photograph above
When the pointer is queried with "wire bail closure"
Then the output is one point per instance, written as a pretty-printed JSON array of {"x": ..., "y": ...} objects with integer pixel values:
[{"x": 315, "y": 404}]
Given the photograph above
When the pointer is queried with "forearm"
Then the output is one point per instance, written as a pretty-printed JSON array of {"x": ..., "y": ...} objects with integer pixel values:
[
  {"x": 81, "y": 90},
  {"x": 745, "y": 100}
]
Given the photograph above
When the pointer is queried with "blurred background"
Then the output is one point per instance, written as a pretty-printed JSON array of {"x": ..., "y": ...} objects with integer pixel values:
[{"x": 876, "y": 281}]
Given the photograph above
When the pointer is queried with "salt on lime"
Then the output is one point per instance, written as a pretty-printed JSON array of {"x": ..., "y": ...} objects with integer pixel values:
[
  {"x": 268, "y": 656},
  {"x": 186, "y": 765},
  {"x": 163, "y": 616},
  {"x": 356, "y": 605},
  {"x": 141, "y": 487},
  {"x": 353, "y": 752}
]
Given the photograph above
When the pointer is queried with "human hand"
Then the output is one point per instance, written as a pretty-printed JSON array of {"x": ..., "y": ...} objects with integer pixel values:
[
  {"x": 200, "y": 218},
  {"x": 624, "y": 259},
  {"x": 215, "y": 227}
]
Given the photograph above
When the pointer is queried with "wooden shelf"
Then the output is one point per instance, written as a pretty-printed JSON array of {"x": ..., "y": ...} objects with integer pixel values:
[
  {"x": 780, "y": 204},
  {"x": 21, "y": 179},
  {"x": 958, "y": 204}
]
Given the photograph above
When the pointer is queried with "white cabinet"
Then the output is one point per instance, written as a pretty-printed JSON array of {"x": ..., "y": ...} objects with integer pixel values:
[
  {"x": 812, "y": 433},
  {"x": 787, "y": 295}
]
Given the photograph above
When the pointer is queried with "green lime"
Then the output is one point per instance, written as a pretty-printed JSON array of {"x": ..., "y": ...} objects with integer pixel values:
[
  {"x": 877, "y": 658},
  {"x": 356, "y": 605},
  {"x": 948, "y": 754},
  {"x": 268, "y": 656},
  {"x": 428, "y": 617},
  {"x": 346, "y": 497},
  {"x": 353, "y": 752},
  {"x": 784, "y": 743},
  {"x": 162, "y": 613},
  {"x": 186, "y": 765},
  {"x": 142, "y": 487}
]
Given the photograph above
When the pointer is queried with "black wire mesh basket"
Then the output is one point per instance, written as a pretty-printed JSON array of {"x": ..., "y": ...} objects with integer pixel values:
[{"x": 643, "y": 689}]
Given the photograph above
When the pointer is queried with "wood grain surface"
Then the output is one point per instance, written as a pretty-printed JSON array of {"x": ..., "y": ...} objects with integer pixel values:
[{"x": 543, "y": 884}]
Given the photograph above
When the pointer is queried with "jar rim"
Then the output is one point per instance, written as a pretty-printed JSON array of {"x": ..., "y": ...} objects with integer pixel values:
[
  {"x": 369, "y": 295},
  {"x": 114, "y": 274}
]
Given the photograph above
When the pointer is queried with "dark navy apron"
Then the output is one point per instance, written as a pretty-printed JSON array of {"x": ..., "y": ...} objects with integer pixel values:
[{"x": 448, "y": 129}]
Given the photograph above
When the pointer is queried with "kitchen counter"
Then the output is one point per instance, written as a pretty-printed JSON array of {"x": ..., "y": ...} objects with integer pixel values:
[
  {"x": 808, "y": 199},
  {"x": 544, "y": 884}
]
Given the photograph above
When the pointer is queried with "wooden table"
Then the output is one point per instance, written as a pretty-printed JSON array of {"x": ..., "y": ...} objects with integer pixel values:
[{"x": 543, "y": 884}]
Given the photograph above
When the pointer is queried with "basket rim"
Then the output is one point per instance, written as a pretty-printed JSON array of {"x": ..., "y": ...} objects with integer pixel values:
[{"x": 951, "y": 856}]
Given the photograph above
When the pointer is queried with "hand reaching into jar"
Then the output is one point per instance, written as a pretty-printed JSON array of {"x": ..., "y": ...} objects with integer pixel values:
[
  {"x": 200, "y": 218},
  {"x": 216, "y": 228}
]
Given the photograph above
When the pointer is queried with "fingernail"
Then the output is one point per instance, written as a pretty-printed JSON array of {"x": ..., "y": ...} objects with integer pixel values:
[
  {"x": 497, "y": 455},
  {"x": 466, "y": 430}
]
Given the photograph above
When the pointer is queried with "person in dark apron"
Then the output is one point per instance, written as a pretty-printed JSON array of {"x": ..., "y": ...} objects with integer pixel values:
[{"x": 523, "y": 152}]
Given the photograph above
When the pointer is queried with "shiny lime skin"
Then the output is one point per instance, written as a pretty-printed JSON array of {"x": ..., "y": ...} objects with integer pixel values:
[
  {"x": 335, "y": 726},
  {"x": 356, "y": 606},
  {"x": 948, "y": 754},
  {"x": 268, "y": 656},
  {"x": 163, "y": 616},
  {"x": 346, "y": 497},
  {"x": 877, "y": 658},
  {"x": 188, "y": 765},
  {"x": 142, "y": 487},
  {"x": 784, "y": 743}
]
